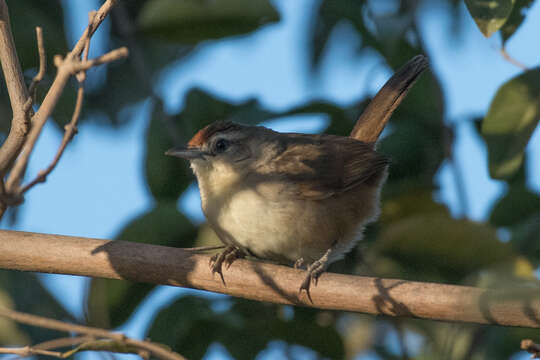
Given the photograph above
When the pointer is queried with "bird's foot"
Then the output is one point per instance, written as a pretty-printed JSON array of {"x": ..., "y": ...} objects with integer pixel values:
[
  {"x": 227, "y": 257},
  {"x": 314, "y": 271},
  {"x": 299, "y": 264}
]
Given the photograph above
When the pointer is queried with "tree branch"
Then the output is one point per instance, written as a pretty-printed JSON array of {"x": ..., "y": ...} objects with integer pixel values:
[
  {"x": 18, "y": 93},
  {"x": 117, "y": 342},
  {"x": 267, "y": 282},
  {"x": 66, "y": 69},
  {"x": 531, "y": 347},
  {"x": 42, "y": 63}
]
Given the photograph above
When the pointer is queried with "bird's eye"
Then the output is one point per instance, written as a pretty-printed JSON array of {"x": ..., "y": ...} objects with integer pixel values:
[{"x": 221, "y": 145}]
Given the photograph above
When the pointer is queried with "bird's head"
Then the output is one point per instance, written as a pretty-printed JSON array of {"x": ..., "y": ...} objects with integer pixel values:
[{"x": 222, "y": 147}]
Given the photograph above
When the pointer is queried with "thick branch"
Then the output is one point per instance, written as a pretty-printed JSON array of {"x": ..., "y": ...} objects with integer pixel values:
[
  {"x": 18, "y": 93},
  {"x": 266, "y": 282}
]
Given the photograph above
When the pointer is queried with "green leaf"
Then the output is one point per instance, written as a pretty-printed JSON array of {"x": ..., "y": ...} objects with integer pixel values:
[
  {"x": 25, "y": 15},
  {"x": 167, "y": 176},
  {"x": 190, "y": 325},
  {"x": 489, "y": 15},
  {"x": 202, "y": 108},
  {"x": 515, "y": 19},
  {"x": 516, "y": 206},
  {"x": 413, "y": 202},
  {"x": 329, "y": 14},
  {"x": 111, "y": 302},
  {"x": 342, "y": 119},
  {"x": 510, "y": 122},
  {"x": 23, "y": 289},
  {"x": 192, "y": 21},
  {"x": 437, "y": 247}
]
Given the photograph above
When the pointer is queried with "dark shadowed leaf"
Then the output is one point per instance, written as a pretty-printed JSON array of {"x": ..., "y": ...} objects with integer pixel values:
[
  {"x": 510, "y": 122},
  {"x": 25, "y": 15},
  {"x": 167, "y": 176},
  {"x": 111, "y": 302},
  {"x": 328, "y": 15},
  {"x": 489, "y": 15},
  {"x": 192, "y": 21},
  {"x": 516, "y": 18},
  {"x": 516, "y": 206},
  {"x": 342, "y": 119},
  {"x": 191, "y": 324},
  {"x": 437, "y": 247},
  {"x": 202, "y": 108},
  {"x": 24, "y": 288}
]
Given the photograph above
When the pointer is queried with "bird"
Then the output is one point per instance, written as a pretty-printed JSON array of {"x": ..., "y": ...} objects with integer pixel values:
[{"x": 297, "y": 199}]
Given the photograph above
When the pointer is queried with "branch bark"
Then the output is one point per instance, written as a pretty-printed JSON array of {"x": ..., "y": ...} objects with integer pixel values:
[
  {"x": 18, "y": 93},
  {"x": 267, "y": 282}
]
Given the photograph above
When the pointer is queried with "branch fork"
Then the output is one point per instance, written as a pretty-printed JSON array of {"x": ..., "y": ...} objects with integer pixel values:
[{"x": 27, "y": 126}]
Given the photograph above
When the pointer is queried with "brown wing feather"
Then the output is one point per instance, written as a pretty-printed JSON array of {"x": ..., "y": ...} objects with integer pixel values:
[{"x": 325, "y": 165}]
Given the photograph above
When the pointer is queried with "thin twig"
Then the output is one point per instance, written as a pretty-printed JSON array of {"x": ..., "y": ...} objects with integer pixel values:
[
  {"x": 71, "y": 128},
  {"x": 111, "y": 56},
  {"x": 70, "y": 131},
  {"x": 68, "y": 67},
  {"x": 511, "y": 60},
  {"x": 42, "y": 62},
  {"x": 43, "y": 322},
  {"x": 63, "y": 342},
  {"x": 531, "y": 347},
  {"x": 26, "y": 351}
]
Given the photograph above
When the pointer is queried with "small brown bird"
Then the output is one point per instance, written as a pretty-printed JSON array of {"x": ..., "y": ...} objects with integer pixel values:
[{"x": 297, "y": 199}]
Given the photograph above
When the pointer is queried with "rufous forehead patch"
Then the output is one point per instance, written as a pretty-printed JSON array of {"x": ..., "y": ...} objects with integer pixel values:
[{"x": 203, "y": 135}]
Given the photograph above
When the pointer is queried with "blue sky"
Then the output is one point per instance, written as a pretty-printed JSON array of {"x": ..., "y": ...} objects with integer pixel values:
[{"x": 98, "y": 185}]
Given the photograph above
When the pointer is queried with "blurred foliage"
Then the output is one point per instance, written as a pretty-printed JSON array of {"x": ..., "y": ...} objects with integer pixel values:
[
  {"x": 512, "y": 117},
  {"x": 490, "y": 16},
  {"x": 416, "y": 236}
]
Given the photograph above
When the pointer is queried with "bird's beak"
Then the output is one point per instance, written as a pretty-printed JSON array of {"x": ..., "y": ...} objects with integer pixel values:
[{"x": 188, "y": 153}]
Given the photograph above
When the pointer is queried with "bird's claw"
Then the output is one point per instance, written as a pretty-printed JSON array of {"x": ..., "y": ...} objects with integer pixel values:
[
  {"x": 227, "y": 256},
  {"x": 313, "y": 272}
]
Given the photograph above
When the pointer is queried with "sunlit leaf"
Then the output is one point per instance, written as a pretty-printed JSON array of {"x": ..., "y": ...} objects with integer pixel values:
[
  {"x": 410, "y": 203},
  {"x": 435, "y": 246},
  {"x": 510, "y": 122},
  {"x": 489, "y": 15},
  {"x": 10, "y": 332},
  {"x": 192, "y": 21}
]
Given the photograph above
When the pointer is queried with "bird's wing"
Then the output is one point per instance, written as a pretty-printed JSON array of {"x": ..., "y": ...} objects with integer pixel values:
[{"x": 325, "y": 165}]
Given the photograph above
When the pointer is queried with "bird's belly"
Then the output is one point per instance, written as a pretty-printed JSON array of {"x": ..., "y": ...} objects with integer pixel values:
[{"x": 282, "y": 230}]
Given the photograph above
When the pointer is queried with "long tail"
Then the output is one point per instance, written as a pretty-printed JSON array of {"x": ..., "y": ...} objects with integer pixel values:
[{"x": 374, "y": 118}]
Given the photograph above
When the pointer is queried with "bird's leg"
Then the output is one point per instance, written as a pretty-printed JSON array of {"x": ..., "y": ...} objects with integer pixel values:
[
  {"x": 315, "y": 270},
  {"x": 227, "y": 256}
]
